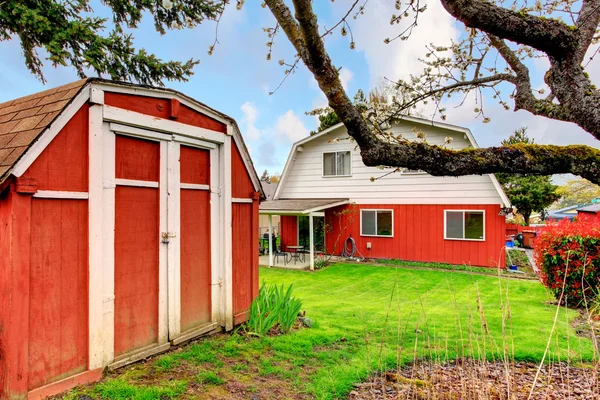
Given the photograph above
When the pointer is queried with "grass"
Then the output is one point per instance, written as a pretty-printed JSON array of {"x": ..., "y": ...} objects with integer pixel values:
[{"x": 365, "y": 318}]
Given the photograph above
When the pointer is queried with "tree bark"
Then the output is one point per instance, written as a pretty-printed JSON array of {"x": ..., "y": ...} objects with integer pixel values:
[{"x": 580, "y": 160}]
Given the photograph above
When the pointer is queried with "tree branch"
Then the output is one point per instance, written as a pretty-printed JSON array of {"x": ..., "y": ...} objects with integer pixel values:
[
  {"x": 545, "y": 34},
  {"x": 524, "y": 98},
  {"x": 532, "y": 159},
  {"x": 587, "y": 23},
  {"x": 438, "y": 161}
]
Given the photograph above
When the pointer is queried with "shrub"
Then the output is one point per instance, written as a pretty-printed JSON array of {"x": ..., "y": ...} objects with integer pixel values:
[
  {"x": 274, "y": 307},
  {"x": 574, "y": 248}
]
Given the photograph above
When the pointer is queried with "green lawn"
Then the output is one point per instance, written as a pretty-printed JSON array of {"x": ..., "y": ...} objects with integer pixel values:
[{"x": 365, "y": 318}]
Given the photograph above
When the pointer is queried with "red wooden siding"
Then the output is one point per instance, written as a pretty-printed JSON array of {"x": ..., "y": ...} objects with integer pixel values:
[
  {"x": 58, "y": 302},
  {"x": 195, "y": 240},
  {"x": 136, "y": 268},
  {"x": 63, "y": 165},
  {"x": 242, "y": 186},
  {"x": 137, "y": 159},
  {"x": 245, "y": 258},
  {"x": 419, "y": 235},
  {"x": 195, "y": 165},
  {"x": 162, "y": 108},
  {"x": 289, "y": 230},
  {"x": 5, "y": 284}
]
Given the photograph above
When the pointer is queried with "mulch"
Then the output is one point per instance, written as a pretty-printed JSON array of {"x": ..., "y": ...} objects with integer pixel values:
[{"x": 472, "y": 380}]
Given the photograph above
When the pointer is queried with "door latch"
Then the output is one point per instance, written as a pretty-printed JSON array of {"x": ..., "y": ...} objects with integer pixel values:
[{"x": 165, "y": 236}]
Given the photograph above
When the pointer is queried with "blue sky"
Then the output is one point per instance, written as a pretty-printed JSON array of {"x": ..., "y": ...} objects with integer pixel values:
[{"x": 237, "y": 78}]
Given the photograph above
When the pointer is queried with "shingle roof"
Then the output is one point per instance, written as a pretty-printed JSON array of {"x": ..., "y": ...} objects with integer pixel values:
[{"x": 24, "y": 119}]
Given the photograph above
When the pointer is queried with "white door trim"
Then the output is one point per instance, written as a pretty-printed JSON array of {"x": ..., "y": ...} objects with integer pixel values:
[
  {"x": 174, "y": 246},
  {"x": 135, "y": 119}
]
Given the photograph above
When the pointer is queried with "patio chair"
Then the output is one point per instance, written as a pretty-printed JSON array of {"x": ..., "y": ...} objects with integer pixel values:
[{"x": 280, "y": 253}]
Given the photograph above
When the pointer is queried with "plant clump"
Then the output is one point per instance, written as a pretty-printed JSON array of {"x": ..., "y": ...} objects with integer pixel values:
[
  {"x": 273, "y": 311},
  {"x": 568, "y": 254}
]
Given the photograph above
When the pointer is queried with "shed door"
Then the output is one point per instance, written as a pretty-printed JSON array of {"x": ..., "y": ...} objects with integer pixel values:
[
  {"x": 195, "y": 240},
  {"x": 137, "y": 232}
]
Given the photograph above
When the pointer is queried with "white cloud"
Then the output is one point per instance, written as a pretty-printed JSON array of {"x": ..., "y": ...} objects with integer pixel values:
[
  {"x": 291, "y": 127},
  {"x": 346, "y": 76},
  {"x": 248, "y": 122},
  {"x": 400, "y": 58}
]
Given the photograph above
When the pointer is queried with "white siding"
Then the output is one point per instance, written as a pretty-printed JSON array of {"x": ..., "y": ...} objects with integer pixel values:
[{"x": 304, "y": 178}]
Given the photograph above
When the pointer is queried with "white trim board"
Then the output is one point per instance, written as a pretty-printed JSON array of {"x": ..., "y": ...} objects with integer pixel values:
[
  {"x": 135, "y": 119},
  {"x": 136, "y": 183},
  {"x": 238, "y": 200},
  {"x": 194, "y": 186},
  {"x": 57, "y": 194}
]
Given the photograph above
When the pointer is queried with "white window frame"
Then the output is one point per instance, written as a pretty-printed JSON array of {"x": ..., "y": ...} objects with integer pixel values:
[
  {"x": 335, "y": 152},
  {"x": 463, "y": 211},
  {"x": 376, "y": 209}
]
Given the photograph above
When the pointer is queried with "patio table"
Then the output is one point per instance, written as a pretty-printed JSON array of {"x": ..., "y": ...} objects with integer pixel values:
[{"x": 295, "y": 252}]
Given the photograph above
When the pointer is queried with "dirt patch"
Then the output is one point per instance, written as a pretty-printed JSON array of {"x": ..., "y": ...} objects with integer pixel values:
[
  {"x": 587, "y": 327},
  {"x": 482, "y": 381}
]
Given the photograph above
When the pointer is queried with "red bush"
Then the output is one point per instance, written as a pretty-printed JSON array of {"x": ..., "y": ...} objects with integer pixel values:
[{"x": 574, "y": 248}]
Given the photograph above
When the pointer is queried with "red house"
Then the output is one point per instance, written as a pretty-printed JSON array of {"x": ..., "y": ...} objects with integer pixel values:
[
  {"x": 128, "y": 218},
  {"x": 327, "y": 195}
]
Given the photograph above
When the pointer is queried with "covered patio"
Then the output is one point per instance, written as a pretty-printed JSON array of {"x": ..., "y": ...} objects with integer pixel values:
[{"x": 297, "y": 207}]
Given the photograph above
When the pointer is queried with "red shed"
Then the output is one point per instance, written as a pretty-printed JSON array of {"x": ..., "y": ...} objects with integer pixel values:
[{"x": 128, "y": 223}]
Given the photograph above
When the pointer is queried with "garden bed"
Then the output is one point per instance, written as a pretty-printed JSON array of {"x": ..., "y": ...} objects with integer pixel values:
[{"x": 467, "y": 380}]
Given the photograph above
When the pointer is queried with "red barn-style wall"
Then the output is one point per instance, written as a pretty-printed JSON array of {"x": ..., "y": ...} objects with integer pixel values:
[
  {"x": 289, "y": 230},
  {"x": 114, "y": 214},
  {"x": 419, "y": 235},
  {"x": 245, "y": 237}
]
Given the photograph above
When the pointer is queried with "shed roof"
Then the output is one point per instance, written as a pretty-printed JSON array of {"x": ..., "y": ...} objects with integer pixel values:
[
  {"x": 24, "y": 119},
  {"x": 299, "y": 206},
  {"x": 594, "y": 208}
]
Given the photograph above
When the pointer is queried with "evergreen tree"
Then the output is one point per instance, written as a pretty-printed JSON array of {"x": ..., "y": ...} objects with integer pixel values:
[{"x": 528, "y": 193}]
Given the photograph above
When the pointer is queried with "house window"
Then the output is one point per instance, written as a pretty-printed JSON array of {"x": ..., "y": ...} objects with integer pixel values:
[
  {"x": 337, "y": 163},
  {"x": 464, "y": 225},
  {"x": 377, "y": 223}
]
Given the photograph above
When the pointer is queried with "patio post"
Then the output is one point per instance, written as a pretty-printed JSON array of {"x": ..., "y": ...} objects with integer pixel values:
[
  {"x": 311, "y": 227},
  {"x": 270, "y": 240}
]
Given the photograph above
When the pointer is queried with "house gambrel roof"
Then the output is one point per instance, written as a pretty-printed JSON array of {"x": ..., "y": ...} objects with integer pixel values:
[
  {"x": 24, "y": 121},
  {"x": 421, "y": 121}
]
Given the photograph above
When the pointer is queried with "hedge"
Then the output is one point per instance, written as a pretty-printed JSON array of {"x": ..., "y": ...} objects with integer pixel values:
[{"x": 571, "y": 247}]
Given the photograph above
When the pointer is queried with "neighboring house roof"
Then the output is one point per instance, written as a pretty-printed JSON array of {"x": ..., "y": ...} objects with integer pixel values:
[
  {"x": 422, "y": 121},
  {"x": 299, "y": 206},
  {"x": 269, "y": 188},
  {"x": 562, "y": 213},
  {"x": 24, "y": 120},
  {"x": 593, "y": 208}
]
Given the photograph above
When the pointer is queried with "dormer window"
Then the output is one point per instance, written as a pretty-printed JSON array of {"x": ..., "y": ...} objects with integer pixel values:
[{"x": 337, "y": 163}]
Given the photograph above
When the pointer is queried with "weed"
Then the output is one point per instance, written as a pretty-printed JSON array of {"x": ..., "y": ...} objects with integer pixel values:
[
  {"x": 166, "y": 363},
  {"x": 210, "y": 378},
  {"x": 118, "y": 389}
]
